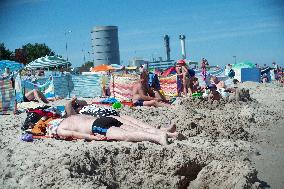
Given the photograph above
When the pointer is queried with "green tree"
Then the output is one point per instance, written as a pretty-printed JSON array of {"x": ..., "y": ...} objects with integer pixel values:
[
  {"x": 86, "y": 66},
  {"x": 5, "y": 54},
  {"x": 36, "y": 50}
]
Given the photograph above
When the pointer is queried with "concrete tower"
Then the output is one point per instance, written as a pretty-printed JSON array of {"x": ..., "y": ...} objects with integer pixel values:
[
  {"x": 105, "y": 45},
  {"x": 182, "y": 42},
  {"x": 167, "y": 45}
]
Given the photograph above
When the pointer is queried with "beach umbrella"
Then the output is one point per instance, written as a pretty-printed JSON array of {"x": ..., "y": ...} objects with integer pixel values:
[
  {"x": 131, "y": 68},
  {"x": 102, "y": 68},
  {"x": 117, "y": 66},
  {"x": 244, "y": 64},
  {"x": 14, "y": 66},
  {"x": 48, "y": 62}
]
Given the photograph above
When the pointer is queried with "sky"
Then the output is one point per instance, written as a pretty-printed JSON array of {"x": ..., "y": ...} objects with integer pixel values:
[{"x": 218, "y": 30}]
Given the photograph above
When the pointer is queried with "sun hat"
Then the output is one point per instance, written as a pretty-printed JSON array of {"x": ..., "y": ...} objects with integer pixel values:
[{"x": 181, "y": 62}]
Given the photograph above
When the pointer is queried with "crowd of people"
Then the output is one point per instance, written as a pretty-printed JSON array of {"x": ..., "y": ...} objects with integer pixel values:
[{"x": 145, "y": 92}]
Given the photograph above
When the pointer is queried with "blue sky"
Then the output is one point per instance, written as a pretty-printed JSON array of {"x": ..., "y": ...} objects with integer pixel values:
[{"x": 217, "y": 30}]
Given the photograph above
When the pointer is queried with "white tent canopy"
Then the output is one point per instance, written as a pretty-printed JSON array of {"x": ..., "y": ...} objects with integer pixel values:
[{"x": 48, "y": 62}]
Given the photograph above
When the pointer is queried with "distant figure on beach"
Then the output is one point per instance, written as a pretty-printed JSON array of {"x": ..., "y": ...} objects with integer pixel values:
[
  {"x": 219, "y": 84},
  {"x": 6, "y": 73},
  {"x": 104, "y": 85},
  {"x": 231, "y": 73},
  {"x": 203, "y": 68},
  {"x": 183, "y": 77},
  {"x": 194, "y": 86},
  {"x": 143, "y": 95},
  {"x": 264, "y": 78},
  {"x": 122, "y": 128},
  {"x": 213, "y": 94}
]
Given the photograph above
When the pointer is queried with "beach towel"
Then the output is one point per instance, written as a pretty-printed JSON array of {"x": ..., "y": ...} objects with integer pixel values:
[
  {"x": 34, "y": 115},
  {"x": 109, "y": 101},
  {"x": 7, "y": 96},
  {"x": 98, "y": 111}
]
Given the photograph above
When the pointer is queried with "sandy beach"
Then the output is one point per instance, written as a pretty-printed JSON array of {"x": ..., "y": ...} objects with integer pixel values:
[{"x": 231, "y": 144}]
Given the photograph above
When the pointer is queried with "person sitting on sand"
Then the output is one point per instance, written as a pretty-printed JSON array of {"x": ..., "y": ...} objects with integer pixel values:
[
  {"x": 38, "y": 96},
  {"x": 35, "y": 95},
  {"x": 73, "y": 106},
  {"x": 122, "y": 128},
  {"x": 213, "y": 94},
  {"x": 219, "y": 84},
  {"x": 194, "y": 86},
  {"x": 154, "y": 84},
  {"x": 142, "y": 93}
]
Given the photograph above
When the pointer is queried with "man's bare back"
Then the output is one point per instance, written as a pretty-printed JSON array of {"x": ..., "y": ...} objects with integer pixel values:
[
  {"x": 75, "y": 120},
  {"x": 140, "y": 92}
]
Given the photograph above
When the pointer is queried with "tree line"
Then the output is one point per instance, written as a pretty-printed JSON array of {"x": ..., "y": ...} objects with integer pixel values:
[
  {"x": 30, "y": 52},
  {"x": 27, "y": 53}
]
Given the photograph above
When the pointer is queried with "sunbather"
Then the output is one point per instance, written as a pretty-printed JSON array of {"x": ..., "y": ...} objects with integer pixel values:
[
  {"x": 143, "y": 95},
  {"x": 35, "y": 95},
  {"x": 122, "y": 128}
]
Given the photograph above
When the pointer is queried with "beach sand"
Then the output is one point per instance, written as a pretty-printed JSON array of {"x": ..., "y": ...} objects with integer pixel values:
[{"x": 231, "y": 144}]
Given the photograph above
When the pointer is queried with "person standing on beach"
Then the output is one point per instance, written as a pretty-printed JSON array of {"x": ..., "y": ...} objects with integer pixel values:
[
  {"x": 203, "y": 68},
  {"x": 142, "y": 94},
  {"x": 182, "y": 76}
]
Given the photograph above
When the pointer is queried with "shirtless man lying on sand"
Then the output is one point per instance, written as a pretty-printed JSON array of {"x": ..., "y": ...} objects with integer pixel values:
[
  {"x": 141, "y": 94},
  {"x": 123, "y": 128}
]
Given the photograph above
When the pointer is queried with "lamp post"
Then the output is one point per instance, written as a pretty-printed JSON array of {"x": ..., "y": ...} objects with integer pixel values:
[
  {"x": 235, "y": 58},
  {"x": 84, "y": 56},
  {"x": 66, "y": 46}
]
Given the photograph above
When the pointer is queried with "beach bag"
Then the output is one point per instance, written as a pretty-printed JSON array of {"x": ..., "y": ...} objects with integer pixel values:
[
  {"x": 97, "y": 111},
  {"x": 34, "y": 115},
  {"x": 31, "y": 120},
  {"x": 40, "y": 126}
]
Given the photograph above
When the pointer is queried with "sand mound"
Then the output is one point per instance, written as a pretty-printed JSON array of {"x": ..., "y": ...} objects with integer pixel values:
[{"x": 219, "y": 141}]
